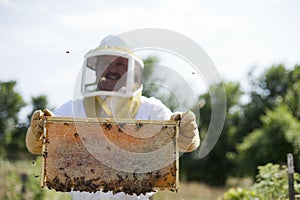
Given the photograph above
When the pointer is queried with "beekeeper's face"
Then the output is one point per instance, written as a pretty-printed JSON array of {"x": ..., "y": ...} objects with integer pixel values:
[{"x": 111, "y": 72}]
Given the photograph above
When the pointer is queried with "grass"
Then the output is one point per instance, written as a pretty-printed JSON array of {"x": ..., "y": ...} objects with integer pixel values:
[
  {"x": 191, "y": 191},
  {"x": 21, "y": 181},
  {"x": 11, "y": 185}
]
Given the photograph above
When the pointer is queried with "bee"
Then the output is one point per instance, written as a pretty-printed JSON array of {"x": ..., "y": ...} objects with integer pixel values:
[
  {"x": 96, "y": 179},
  {"x": 120, "y": 177},
  {"x": 45, "y": 154},
  {"x": 134, "y": 176},
  {"x": 138, "y": 126},
  {"x": 76, "y": 135},
  {"x": 157, "y": 175},
  {"x": 66, "y": 175},
  {"x": 164, "y": 127},
  {"x": 107, "y": 126}
]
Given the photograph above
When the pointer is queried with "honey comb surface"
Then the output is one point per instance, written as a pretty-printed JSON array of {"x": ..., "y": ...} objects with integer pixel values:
[{"x": 124, "y": 156}]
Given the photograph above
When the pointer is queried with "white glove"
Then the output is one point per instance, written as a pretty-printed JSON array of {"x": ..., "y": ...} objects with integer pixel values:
[
  {"x": 189, "y": 139},
  {"x": 37, "y": 122}
]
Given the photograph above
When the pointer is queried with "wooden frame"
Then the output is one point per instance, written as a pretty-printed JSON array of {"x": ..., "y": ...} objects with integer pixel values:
[{"x": 92, "y": 154}]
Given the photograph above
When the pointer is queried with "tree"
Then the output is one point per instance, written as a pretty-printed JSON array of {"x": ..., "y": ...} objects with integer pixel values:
[
  {"x": 38, "y": 103},
  {"x": 150, "y": 89},
  {"x": 11, "y": 103},
  {"x": 263, "y": 130},
  {"x": 292, "y": 96},
  {"x": 269, "y": 143},
  {"x": 16, "y": 145},
  {"x": 264, "y": 94},
  {"x": 153, "y": 78},
  {"x": 12, "y": 133},
  {"x": 273, "y": 118},
  {"x": 216, "y": 166}
]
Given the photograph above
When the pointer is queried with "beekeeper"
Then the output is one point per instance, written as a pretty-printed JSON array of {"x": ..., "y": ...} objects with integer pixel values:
[{"x": 111, "y": 87}]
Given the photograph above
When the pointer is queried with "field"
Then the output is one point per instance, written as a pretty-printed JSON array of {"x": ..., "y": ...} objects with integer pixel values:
[
  {"x": 20, "y": 180},
  {"x": 191, "y": 191}
]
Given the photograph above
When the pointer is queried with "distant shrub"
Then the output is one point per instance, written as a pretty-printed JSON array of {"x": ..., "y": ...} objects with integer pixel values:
[{"x": 271, "y": 183}]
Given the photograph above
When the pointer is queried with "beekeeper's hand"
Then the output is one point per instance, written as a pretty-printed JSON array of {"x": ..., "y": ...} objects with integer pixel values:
[
  {"x": 189, "y": 139},
  {"x": 35, "y": 131},
  {"x": 37, "y": 122}
]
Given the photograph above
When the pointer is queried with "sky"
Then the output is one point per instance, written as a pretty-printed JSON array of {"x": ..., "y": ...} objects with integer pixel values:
[{"x": 237, "y": 36}]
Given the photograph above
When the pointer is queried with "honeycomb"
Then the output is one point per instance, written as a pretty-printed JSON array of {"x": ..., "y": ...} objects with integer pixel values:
[{"x": 131, "y": 156}]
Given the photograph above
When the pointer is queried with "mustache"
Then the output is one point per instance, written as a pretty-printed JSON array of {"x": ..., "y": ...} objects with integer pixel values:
[{"x": 113, "y": 76}]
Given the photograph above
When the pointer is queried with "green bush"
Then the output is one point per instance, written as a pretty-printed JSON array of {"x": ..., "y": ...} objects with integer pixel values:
[
  {"x": 271, "y": 183},
  {"x": 239, "y": 193}
]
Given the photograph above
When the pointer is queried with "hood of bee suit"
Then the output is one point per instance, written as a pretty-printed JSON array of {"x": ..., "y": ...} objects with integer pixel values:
[{"x": 121, "y": 100}]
